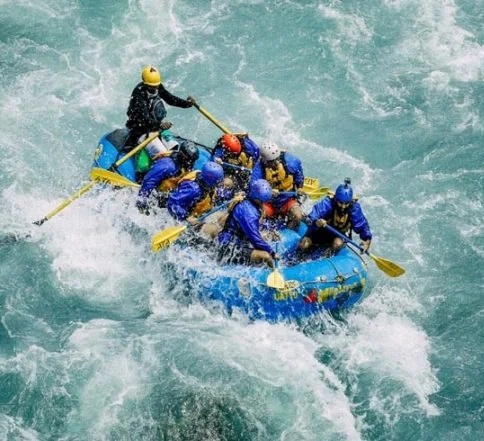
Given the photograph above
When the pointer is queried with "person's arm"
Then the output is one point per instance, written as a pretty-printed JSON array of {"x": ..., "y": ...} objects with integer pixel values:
[
  {"x": 173, "y": 100},
  {"x": 161, "y": 170},
  {"x": 359, "y": 223},
  {"x": 248, "y": 219},
  {"x": 217, "y": 154},
  {"x": 252, "y": 148},
  {"x": 294, "y": 167},
  {"x": 256, "y": 172},
  {"x": 319, "y": 211},
  {"x": 181, "y": 201}
]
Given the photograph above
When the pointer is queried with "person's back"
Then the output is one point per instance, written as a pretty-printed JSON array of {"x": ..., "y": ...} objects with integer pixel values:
[
  {"x": 240, "y": 241},
  {"x": 166, "y": 173},
  {"x": 146, "y": 111},
  {"x": 195, "y": 192}
]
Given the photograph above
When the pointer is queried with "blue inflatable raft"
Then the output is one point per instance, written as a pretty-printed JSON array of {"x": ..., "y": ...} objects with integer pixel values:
[{"x": 310, "y": 286}]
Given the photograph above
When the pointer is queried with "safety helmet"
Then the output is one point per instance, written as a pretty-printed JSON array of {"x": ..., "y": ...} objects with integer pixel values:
[
  {"x": 151, "y": 76},
  {"x": 189, "y": 151},
  {"x": 344, "y": 192},
  {"x": 231, "y": 143},
  {"x": 261, "y": 190},
  {"x": 269, "y": 151},
  {"x": 212, "y": 173}
]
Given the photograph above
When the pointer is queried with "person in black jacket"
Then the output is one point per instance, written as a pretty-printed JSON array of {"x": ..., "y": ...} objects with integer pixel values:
[{"x": 146, "y": 111}]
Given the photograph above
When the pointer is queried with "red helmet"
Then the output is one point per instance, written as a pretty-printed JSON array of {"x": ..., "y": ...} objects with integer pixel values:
[{"x": 231, "y": 143}]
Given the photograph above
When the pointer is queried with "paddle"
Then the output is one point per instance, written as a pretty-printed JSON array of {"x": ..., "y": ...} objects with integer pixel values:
[
  {"x": 207, "y": 115},
  {"x": 103, "y": 175},
  {"x": 309, "y": 183},
  {"x": 166, "y": 237},
  {"x": 275, "y": 278},
  {"x": 93, "y": 182},
  {"x": 387, "y": 266},
  {"x": 318, "y": 194}
]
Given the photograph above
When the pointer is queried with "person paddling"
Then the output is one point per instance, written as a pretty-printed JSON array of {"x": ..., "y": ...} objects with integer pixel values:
[
  {"x": 284, "y": 173},
  {"x": 237, "y": 154},
  {"x": 165, "y": 175},
  {"x": 341, "y": 211},
  {"x": 240, "y": 241},
  {"x": 195, "y": 192},
  {"x": 146, "y": 110}
]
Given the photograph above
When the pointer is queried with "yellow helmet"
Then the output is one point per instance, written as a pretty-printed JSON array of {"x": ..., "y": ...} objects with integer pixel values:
[{"x": 151, "y": 76}]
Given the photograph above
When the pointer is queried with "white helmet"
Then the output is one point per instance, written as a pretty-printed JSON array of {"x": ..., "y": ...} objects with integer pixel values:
[{"x": 269, "y": 151}]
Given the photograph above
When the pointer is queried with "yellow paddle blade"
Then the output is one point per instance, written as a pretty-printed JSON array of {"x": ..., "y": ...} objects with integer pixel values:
[
  {"x": 310, "y": 183},
  {"x": 387, "y": 266},
  {"x": 166, "y": 237},
  {"x": 318, "y": 193},
  {"x": 275, "y": 280},
  {"x": 100, "y": 174}
]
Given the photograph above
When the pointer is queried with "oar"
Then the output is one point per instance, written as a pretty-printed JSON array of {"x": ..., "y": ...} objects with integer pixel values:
[
  {"x": 309, "y": 183},
  {"x": 103, "y": 175},
  {"x": 275, "y": 278},
  {"x": 93, "y": 182},
  {"x": 387, "y": 266},
  {"x": 318, "y": 194},
  {"x": 210, "y": 117},
  {"x": 166, "y": 237}
]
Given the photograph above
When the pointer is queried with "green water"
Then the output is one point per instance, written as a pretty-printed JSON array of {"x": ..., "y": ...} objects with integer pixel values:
[{"x": 97, "y": 343}]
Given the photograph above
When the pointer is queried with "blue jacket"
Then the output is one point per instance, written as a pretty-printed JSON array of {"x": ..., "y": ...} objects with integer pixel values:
[
  {"x": 182, "y": 200},
  {"x": 242, "y": 227},
  {"x": 325, "y": 210},
  {"x": 293, "y": 166},
  {"x": 162, "y": 169}
]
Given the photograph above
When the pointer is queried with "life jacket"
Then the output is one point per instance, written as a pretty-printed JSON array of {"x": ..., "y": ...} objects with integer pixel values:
[
  {"x": 206, "y": 203},
  {"x": 279, "y": 179},
  {"x": 342, "y": 222},
  {"x": 242, "y": 160},
  {"x": 169, "y": 184}
]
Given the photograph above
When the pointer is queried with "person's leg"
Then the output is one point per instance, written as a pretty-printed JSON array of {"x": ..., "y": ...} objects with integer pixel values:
[
  {"x": 305, "y": 243},
  {"x": 214, "y": 225},
  {"x": 294, "y": 216},
  {"x": 337, "y": 244}
]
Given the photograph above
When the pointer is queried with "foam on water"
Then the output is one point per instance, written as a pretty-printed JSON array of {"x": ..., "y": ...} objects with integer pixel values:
[{"x": 92, "y": 326}]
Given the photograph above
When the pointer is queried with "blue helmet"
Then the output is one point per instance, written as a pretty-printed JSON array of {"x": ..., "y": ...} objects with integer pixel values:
[
  {"x": 212, "y": 173},
  {"x": 344, "y": 192},
  {"x": 260, "y": 190}
]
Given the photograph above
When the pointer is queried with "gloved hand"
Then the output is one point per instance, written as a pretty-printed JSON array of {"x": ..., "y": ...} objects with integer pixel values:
[
  {"x": 191, "y": 100},
  {"x": 365, "y": 244},
  {"x": 165, "y": 125}
]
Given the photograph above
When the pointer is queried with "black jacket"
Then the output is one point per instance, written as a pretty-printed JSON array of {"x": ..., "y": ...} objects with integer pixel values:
[{"x": 145, "y": 112}]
